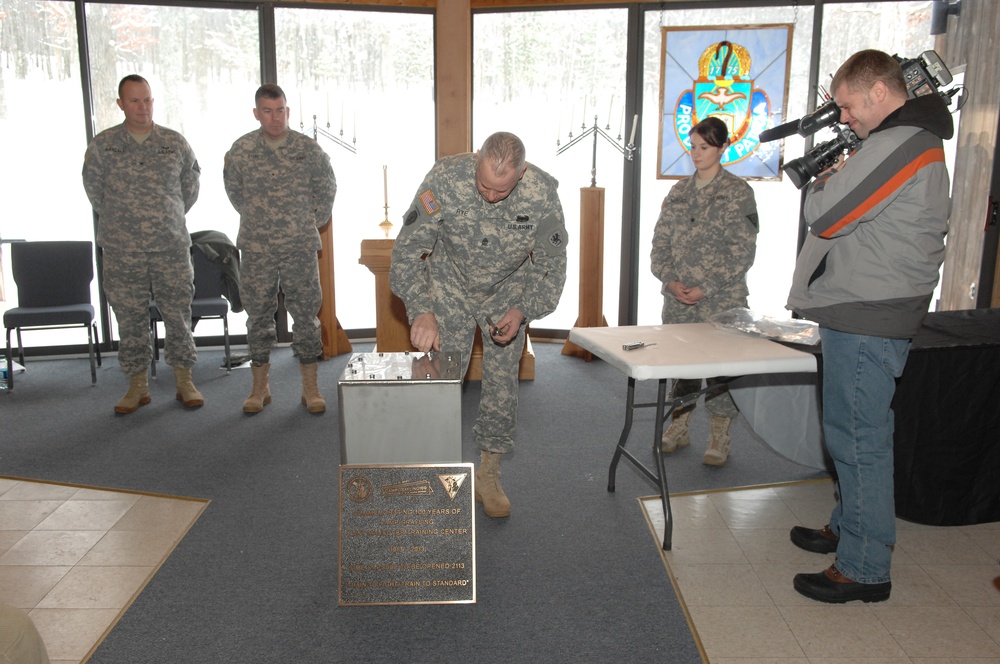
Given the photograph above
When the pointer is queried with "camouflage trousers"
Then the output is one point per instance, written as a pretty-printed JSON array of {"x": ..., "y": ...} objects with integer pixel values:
[
  {"x": 718, "y": 402},
  {"x": 297, "y": 274},
  {"x": 130, "y": 278},
  {"x": 497, "y": 418}
]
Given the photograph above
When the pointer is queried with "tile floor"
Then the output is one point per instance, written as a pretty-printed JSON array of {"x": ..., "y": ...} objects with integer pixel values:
[
  {"x": 732, "y": 565},
  {"x": 74, "y": 558}
]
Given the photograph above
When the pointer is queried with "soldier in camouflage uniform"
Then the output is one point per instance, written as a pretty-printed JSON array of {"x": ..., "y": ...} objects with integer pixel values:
[
  {"x": 491, "y": 228},
  {"x": 282, "y": 184},
  {"x": 142, "y": 179},
  {"x": 703, "y": 246}
]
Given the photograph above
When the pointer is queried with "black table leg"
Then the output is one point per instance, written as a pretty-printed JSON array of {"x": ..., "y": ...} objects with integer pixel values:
[
  {"x": 668, "y": 518},
  {"x": 658, "y": 478},
  {"x": 629, "y": 407}
]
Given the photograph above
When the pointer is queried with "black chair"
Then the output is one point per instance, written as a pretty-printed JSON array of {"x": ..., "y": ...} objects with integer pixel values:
[
  {"x": 53, "y": 291},
  {"x": 208, "y": 303}
]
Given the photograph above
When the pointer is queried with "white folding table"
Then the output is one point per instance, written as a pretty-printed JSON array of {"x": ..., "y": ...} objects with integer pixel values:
[{"x": 698, "y": 350}]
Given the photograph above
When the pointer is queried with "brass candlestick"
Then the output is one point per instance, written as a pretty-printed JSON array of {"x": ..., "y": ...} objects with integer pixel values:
[{"x": 385, "y": 225}]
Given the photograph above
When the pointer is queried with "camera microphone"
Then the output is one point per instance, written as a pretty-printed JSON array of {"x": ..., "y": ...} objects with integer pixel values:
[
  {"x": 824, "y": 116},
  {"x": 779, "y": 132}
]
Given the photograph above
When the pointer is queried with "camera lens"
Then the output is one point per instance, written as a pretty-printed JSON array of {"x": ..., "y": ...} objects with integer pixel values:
[
  {"x": 799, "y": 171},
  {"x": 820, "y": 158}
]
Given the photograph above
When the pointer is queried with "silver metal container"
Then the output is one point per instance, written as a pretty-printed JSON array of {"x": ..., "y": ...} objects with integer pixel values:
[{"x": 401, "y": 408}]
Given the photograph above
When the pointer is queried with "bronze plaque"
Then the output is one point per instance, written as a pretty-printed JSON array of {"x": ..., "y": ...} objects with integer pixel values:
[{"x": 407, "y": 534}]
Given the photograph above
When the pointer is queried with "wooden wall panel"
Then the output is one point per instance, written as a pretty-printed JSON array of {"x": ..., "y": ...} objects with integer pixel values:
[
  {"x": 972, "y": 40},
  {"x": 453, "y": 61}
]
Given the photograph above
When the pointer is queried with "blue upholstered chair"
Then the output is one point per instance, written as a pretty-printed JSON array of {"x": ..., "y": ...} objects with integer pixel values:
[
  {"x": 53, "y": 291},
  {"x": 208, "y": 303}
]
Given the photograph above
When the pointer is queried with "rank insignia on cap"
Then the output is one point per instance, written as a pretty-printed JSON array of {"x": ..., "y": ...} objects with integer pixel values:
[{"x": 430, "y": 204}]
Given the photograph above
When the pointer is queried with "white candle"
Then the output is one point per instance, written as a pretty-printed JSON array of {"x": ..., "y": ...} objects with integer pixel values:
[
  {"x": 301, "y": 121},
  {"x": 635, "y": 123},
  {"x": 611, "y": 106},
  {"x": 327, "y": 109},
  {"x": 385, "y": 184}
]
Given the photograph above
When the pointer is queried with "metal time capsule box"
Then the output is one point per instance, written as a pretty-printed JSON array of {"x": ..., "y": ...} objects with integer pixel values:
[{"x": 401, "y": 408}]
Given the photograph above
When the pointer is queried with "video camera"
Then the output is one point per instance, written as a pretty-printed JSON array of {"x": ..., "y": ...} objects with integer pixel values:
[{"x": 923, "y": 75}]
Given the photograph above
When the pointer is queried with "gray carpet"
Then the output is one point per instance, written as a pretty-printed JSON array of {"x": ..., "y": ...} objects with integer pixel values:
[{"x": 570, "y": 577}]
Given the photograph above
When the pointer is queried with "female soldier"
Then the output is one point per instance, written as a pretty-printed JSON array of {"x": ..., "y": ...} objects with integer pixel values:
[{"x": 703, "y": 246}]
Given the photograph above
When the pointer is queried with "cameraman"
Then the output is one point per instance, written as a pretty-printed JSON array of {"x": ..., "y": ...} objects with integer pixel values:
[{"x": 866, "y": 274}]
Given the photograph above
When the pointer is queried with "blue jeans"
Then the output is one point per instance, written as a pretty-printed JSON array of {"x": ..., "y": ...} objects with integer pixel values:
[{"x": 859, "y": 379}]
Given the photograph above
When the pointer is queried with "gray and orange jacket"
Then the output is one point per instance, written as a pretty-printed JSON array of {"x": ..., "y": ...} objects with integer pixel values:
[{"x": 871, "y": 259}]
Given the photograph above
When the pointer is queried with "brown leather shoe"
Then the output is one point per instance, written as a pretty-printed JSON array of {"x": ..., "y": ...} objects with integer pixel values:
[
  {"x": 816, "y": 541},
  {"x": 832, "y": 587}
]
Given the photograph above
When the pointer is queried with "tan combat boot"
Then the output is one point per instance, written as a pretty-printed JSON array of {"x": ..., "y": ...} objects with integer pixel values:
[
  {"x": 311, "y": 398},
  {"x": 187, "y": 393},
  {"x": 488, "y": 489},
  {"x": 260, "y": 394},
  {"x": 718, "y": 445},
  {"x": 137, "y": 395},
  {"x": 676, "y": 434}
]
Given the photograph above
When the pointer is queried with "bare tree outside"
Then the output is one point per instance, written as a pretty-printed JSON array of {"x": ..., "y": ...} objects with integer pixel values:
[
  {"x": 847, "y": 28},
  {"x": 364, "y": 79},
  {"x": 367, "y": 79},
  {"x": 549, "y": 77},
  {"x": 366, "y": 74}
]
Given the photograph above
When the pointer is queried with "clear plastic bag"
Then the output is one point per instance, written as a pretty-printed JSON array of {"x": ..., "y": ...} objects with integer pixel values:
[{"x": 790, "y": 331}]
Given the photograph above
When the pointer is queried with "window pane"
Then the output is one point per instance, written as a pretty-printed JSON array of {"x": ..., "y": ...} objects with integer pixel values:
[
  {"x": 550, "y": 77},
  {"x": 42, "y": 131},
  {"x": 777, "y": 202},
  {"x": 200, "y": 64},
  {"x": 40, "y": 90},
  {"x": 366, "y": 80},
  {"x": 902, "y": 28},
  {"x": 847, "y": 28}
]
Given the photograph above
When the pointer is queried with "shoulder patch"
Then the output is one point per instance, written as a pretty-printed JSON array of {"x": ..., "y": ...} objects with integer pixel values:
[
  {"x": 411, "y": 217},
  {"x": 429, "y": 202},
  {"x": 556, "y": 239}
]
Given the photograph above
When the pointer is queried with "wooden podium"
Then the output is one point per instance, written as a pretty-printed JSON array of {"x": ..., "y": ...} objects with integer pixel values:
[
  {"x": 335, "y": 340},
  {"x": 392, "y": 327},
  {"x": 591, "y": 267}
]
